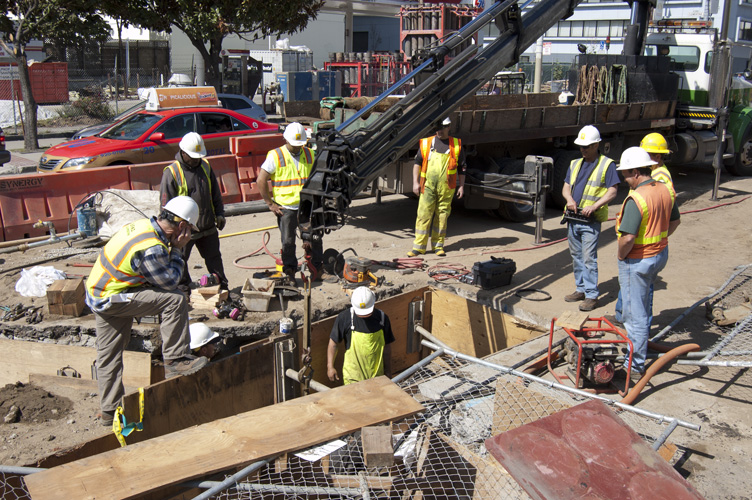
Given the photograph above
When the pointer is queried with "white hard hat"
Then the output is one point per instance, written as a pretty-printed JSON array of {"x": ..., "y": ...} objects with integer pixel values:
[
  {"x": 201, "y": 335},
  {"x": 295, "y": 134},
  {"x": 635, "y": 157},
  {"x": 446, "y": 122},
  {"x": 193, "y": 145},
  {"x": 363, "y": 300},
  {"x": 185, "y": 208},
  {"x": 588, "y": 135}
]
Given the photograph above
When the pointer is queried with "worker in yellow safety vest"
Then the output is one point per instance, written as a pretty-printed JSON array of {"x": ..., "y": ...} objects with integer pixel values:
[
  {"x": 438, "y": 172},
  {"x": 367, "y": 335},
  {"x": 288, "y": 167},
  {"x": 657, "y": 147},
  {"x": 136, "y": 275},
  {"x": 191, "y": 175},
  {"x": 591, "y": 183},
  {"x": 648, "y": 216}
]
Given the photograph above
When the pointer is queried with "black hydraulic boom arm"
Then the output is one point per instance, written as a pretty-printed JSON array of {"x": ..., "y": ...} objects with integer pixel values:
[{"x": 345, "y": 164}]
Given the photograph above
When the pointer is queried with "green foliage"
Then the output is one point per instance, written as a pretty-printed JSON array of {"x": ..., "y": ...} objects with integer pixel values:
[
  {"x": 94, "y": 105},
  {"x": 557, "y": 71}
]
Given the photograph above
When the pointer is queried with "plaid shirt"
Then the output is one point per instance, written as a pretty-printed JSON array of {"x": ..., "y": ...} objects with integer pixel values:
[{"x": 161, "y": 267}]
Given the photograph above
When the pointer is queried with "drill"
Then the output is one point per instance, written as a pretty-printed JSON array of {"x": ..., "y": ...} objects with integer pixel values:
[{"x": 207, "y": 280}]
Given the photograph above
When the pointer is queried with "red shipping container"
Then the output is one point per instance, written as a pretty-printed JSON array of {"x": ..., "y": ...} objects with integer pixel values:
[{"x": 49, "y": 82}]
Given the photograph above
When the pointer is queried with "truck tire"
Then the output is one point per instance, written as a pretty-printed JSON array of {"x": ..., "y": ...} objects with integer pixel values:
[
  {"x": 742, "y": 164},
  {"x": 508, "y": 210},
  {"x": 562, "y": 158}
]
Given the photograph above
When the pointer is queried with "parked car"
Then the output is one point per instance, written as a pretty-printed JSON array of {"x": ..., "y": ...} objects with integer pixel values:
[
  {"x": 4, "y": 153},
  {"x": 235, "y": 102},
  {"x": 151, "y": 136}
]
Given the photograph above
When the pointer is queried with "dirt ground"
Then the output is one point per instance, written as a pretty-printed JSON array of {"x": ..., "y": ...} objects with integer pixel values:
[{"x": 704, "y": 252}]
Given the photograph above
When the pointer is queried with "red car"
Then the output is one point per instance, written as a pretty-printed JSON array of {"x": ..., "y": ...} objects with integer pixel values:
[{"x": 152, "y": 136}]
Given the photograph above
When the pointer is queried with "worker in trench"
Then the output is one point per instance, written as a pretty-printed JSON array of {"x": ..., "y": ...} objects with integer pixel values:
[
  {"x": 204, "y": 341},
  {"x": 288, "y": 167},
  {"x": 137, "y": 274},
  {"x": 191, "y": 175},
  {"x": 657, "y": 147},
  {"x": 590, "y": 185},
  {"x": 438, "y": 172},
  {"x": 648, "y": 216},
  {"x": 367, "y": 335}
]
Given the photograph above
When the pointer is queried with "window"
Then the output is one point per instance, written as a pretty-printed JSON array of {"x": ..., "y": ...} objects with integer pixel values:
[
  {"x": 618, "y": 28},
  {"x": 708, "y": 61},
  {"x": 177, "y": 126},
  {"x": 603, "y": 29},
  {"x": 212, "y": 123},
  {"x": 576, "y": 29},
  {"x": 565, "y": 28},
  {"x": 685, "y": 58},
  {"x": 589, "y": 29},
  {"x": 552, "y": 32},
  {"x": 745, "y": 30}
]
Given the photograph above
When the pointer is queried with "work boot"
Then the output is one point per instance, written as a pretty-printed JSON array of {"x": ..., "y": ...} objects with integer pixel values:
[
  {"x": 326, "y": 277},
  {"x": 106, "y": 418},
  {"x": 588, "y": 304},
  {"x": 414, "y": 253},
  {"x": 184, "y": 366},
  {"x": 574, "y": 297},
  {"x": 440, "y": 252}
]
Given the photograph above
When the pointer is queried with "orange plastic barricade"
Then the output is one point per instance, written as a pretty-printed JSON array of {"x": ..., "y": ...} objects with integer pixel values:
[
  {"x": 225, "y": 167},
  {"x": 25, "y": 199},
  {"x": 147, "y": 176},
  {"x": 257, "y": 144}
]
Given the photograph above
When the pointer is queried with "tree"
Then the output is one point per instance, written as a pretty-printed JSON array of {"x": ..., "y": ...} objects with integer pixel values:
[
  {"x": 71, "y": 22},
  {"x": 208, "y": 22}
]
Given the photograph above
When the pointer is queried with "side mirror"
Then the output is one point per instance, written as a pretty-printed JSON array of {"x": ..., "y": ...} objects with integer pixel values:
[{"x": 157, "y": 136}]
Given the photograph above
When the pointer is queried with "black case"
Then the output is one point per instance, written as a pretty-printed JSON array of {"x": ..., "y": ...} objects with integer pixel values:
[{"x": 493, "y": 273}]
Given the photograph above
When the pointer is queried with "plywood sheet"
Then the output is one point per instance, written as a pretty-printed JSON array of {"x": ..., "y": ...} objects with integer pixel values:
[
  {"x": 472, "y": 328},
  {"x": 229, "y": 386},
  {"x": 20, "y": 358},
  {"x": 222, "y": 444}
]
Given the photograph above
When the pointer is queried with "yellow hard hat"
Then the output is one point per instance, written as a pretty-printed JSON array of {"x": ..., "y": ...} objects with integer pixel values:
[{"x": 655, "y": 143}]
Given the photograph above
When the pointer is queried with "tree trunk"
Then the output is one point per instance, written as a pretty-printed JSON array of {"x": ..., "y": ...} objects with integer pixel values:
[
  {"x": 211, "y": 66},
  {"x": 31, "y": 142}
]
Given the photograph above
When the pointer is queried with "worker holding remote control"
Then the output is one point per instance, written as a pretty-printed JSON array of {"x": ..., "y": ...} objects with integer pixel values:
[{"x": 591, "y": 183}]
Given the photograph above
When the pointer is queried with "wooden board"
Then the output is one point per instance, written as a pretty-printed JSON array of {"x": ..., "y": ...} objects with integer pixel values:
[
  {"x": 66, "y": 297},
  {"x": 572, "y": 319},
  {"x": 472, "y": 328},
  {"x": 207, "y": 301},
  {"x": 71, "y": 382},
  {"x": 377, "y": 446},
  {"x": 395, "y": 307},
  {"x": 21, "y": 358},
  {"x": 226, "y": 387},
  {"x": 225, "y": 443}
]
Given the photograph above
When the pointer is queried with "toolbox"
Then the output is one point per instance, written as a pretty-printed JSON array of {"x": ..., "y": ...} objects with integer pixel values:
[{"x": 493, "y": 273}]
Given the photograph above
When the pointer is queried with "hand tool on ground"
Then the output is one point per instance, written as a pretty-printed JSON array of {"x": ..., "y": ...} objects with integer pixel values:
[
  {"x": 34, "y": 315},
  {"x": 357, "y": 271}
]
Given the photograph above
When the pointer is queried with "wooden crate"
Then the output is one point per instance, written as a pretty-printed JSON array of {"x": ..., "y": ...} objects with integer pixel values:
[{"x": 66, "y": 297}]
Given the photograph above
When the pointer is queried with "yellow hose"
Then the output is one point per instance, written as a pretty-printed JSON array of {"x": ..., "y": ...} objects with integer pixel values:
[{"x": 249, "y": 231}]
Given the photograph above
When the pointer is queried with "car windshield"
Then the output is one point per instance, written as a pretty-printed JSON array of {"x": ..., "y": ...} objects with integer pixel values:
[{"x": 132, "y": 128}]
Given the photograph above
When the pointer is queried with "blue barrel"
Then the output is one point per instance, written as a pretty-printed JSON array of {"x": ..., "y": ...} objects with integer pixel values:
[{"x": 87, "y": 221}]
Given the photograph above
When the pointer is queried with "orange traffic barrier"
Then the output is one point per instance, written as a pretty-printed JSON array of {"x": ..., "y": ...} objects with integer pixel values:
[
  {"x": 25, "y": 199},
  {"x": 147, "y": 176},
  {"x": 225, "y": 167},
  {"x": 257, "y": 144}
]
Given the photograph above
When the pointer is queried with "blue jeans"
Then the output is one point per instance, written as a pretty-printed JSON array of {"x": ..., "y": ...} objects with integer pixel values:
[
  {"x": 583, "y": 247},
  {"x": 636, "y": 277},
  {"x": 618, "y": 307}
]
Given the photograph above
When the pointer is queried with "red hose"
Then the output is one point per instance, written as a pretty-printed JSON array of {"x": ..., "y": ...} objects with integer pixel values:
[
  {"x": 656, "y": 366},
  {"x": 265, "y": 239}
]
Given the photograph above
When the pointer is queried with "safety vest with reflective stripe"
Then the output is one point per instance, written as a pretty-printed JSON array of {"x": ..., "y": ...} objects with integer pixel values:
[
  {"x": 287, "y": 180},
  {"x": 177, "y": 173},
  {"x": 655, "y": 201},
  {"x": 454, "y": 152},
  {"x": 661, "y": 174},
  {"x": 595, "y": 188},
  {"x": 112, "y": 273}
]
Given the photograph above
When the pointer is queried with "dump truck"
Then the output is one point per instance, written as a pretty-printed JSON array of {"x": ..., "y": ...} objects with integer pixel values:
[{"x": 520, "y": 145}]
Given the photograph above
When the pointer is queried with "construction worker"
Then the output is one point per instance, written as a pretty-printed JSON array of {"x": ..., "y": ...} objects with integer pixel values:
[
  {"x": 191, "y": 175},
  {"x": 591, "y": 183},
  {"x": 367, "y": 334},
  {"x": 647, "y": 218},
  {"x": 288, "y": 167},
  {"x": 438, "y": 172},
  {"x": 657, "y": 147},
  {"x": 137, "y": 274},
  {"x": 204, "y": 341}
]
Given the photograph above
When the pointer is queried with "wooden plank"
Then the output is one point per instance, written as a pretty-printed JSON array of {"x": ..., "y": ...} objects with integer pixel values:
[
  {"x": 21, "y": 358},
  {"x": 574, "y": 320},
  {"x": 72, "y": 382},
  {"x": 377, "y": 446},
  {"x": 472, "y": 328},
  {"x": 373, "y": 482},
  {"x": 226, "y": 387},
  {"x": 229, "y": 442},
  {"x": 395, "y": 307},
  {"x": 207, "y": 301}
]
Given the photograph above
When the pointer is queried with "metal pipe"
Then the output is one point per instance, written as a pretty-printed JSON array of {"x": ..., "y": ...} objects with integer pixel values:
[
  {"x": 316, "y": 386},
  {"x": 700, "y": 362},
  {"x": 548, "y": 383},
  {"x": 53, "y": 239},
  {"x": 21, "y": 471},
  {"x": 283, "y": 488},
  {"x": 417, "y": 366},
  {"x": 6, "y": 244},
  {"x": 683, "y": 315},
  {"x": 664, "y": 435},
  {"x": 238, "y": 476},
  {"x": 539, "y": 353},
  {"x": 430, "y": 337}
]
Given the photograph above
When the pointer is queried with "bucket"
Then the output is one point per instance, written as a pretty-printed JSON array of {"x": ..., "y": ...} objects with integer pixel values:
[
  {"x": 285, "y": 325},
  {"x": 87, "y": 221}
]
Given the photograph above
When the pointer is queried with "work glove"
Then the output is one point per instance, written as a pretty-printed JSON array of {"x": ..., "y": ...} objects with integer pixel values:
[{"x": 221, "y": 221}]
